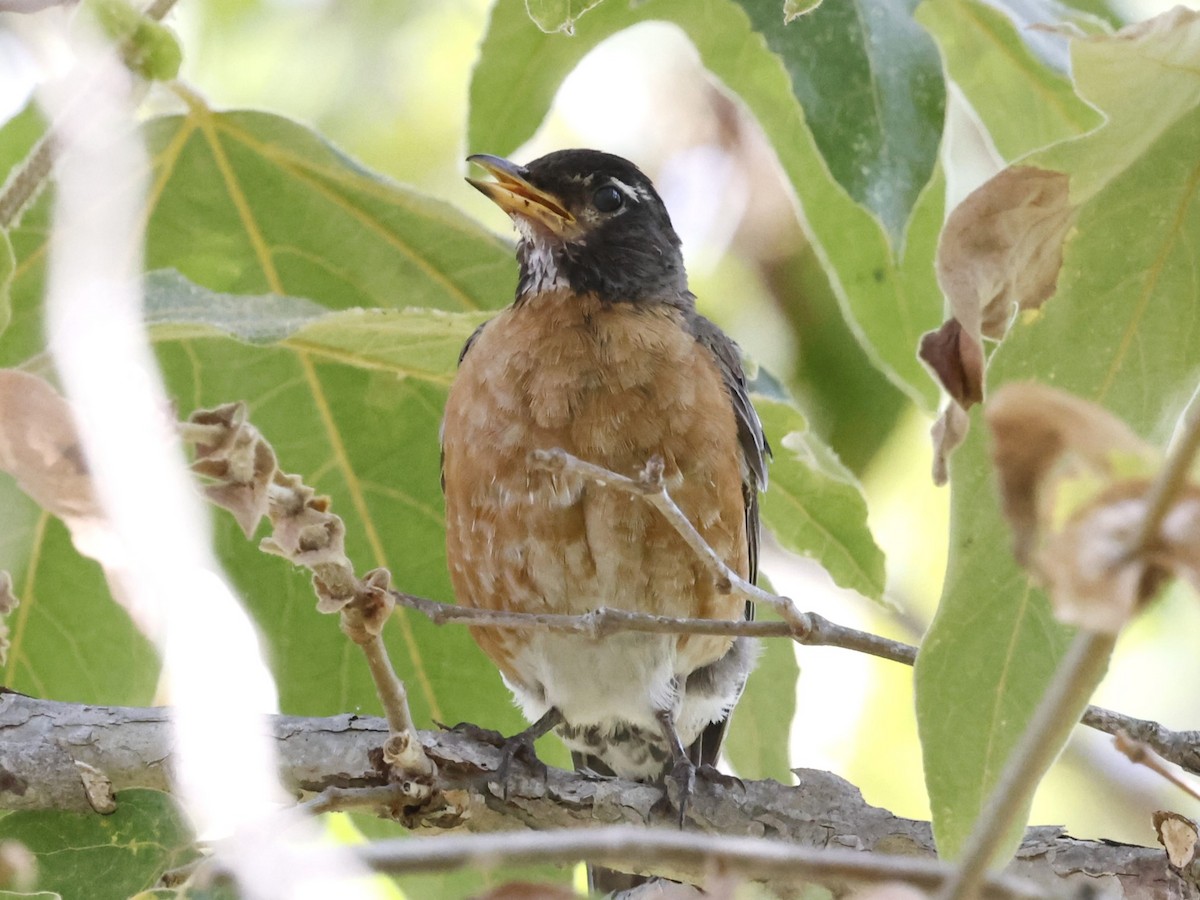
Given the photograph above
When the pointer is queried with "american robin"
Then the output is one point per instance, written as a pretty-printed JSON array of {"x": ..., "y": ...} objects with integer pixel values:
[{"x": 604, "y": 355}]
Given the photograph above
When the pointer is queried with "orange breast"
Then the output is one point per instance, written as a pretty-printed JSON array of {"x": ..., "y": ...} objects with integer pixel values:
[{"x": 614, "y": 385}]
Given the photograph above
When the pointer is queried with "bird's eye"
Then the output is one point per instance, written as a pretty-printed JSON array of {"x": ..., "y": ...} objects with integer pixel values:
[{"x": 608, "y": 199}]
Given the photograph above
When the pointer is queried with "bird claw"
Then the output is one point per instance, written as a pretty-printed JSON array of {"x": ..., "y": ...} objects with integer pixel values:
[
  {"x": 475, "y": 733},
  {"x": 679, "y": 783},
  {"x": 517, "y": 748},
  {"x": 713, "y": 775}
]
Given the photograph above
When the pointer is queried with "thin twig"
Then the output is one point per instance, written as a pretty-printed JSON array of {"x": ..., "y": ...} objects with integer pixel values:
[
  {"x": 651, "y": 488},
  {"x": 247, "y": 481},
  {"x": 1179, "y": 747},
  {"x": 1166, "y": 487},
  {"x": 1077, "y": 676},
  {"x": 1140, "y": 753},
  {"x": 809, "y": 628},
  {"x": 392, "y": 695},
  {"x": 26, "y": 179},
  {"x": 645, "y": 849},
  {"x": 1074, "y": 681}
]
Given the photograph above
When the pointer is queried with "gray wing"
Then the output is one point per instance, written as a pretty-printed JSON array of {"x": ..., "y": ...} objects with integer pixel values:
[
  {"x": 736, "y": 664},
  {"x": 755, "y": 448}
]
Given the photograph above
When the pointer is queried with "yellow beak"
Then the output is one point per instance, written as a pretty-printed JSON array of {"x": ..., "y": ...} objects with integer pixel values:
[{"x": 513, "y": 193}]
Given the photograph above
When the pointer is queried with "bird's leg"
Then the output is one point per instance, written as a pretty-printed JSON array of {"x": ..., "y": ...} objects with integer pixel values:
[
  {"x": 683, "y": 770},
  {"x": 518, "y": 746}
]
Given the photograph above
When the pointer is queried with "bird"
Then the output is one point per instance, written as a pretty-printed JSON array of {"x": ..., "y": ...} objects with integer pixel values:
[{"x": 603, "y": 354}]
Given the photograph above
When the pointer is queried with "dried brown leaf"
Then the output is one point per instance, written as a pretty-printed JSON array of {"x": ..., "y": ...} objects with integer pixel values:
[
  {"x": 1040, "y": 435},
  {"x": 1179, "y": 835},
  {"x": 1074, "y": 484},
  {"x": 39, "y": 447},
  {"x": 1001, "y": 248},
  {"x": 1093, "y": 581},
  {"x": 956, "y": 358},
  {"x": 1000, "y": 251},
  {"x": 8, "y": 598},
  {"x": 232, "y": 452}
]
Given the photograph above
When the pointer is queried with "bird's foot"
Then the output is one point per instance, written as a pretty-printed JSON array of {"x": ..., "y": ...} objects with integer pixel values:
[
  {"x": 682, "y": 778},
  {"x": 516, "y": 748}
]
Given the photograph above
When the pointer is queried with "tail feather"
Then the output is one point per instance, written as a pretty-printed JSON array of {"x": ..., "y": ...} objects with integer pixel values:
[{"x": 705, "y": 750}]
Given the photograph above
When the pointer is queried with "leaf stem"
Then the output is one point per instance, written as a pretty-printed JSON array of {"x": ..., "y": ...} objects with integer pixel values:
[
  {"x": 1076, "y": 678},
  {"x": 1165, "y": 489}
]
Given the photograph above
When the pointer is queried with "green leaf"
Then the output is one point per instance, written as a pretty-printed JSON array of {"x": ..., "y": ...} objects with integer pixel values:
[
  {"x": 67, "y": 631},
  {"x": 1024, "y": 103},
  {"x": 814, "y": 506},
  {"x": 558, "y": 15},
  {"x": 757, "y": 741},
  {"x": 421, "y": 343},
  {"x": 101, "y": 857},
  {"x": 889, "y": 298},
  {"x": 879, "y": 128},
  {"x": 248, "y": 203},
  {"x": 1121, "y": 332}
]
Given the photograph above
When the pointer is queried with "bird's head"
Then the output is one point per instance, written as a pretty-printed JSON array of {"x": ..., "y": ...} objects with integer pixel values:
[{"x": 590, "y": 222}]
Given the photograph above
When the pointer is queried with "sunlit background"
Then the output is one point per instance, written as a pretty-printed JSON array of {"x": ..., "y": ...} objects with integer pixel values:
[{"x": 387, "y": 82}]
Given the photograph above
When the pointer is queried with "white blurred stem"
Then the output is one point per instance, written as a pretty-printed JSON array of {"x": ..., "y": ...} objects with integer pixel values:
[{"x": 214, "y": 672}]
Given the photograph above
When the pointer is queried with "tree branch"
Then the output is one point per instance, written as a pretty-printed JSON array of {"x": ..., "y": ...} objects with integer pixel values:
[
  {"x": 40, "y": 741},
  {"x": 810, "y": 629},
  {"x": 806, "y": 628}
]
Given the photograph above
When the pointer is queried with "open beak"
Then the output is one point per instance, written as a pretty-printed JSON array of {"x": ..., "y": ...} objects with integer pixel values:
[{"x": 513, "y": 193}]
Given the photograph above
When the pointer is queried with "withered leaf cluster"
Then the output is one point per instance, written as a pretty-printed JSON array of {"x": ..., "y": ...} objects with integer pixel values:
[
  {"x": 1075, "y": 485},
  {"x": 245, "y": 479},
  {"x": 1000, "y": 252}
]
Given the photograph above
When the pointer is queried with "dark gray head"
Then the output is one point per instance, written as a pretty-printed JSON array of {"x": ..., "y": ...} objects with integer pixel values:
[{"x": 590, "y": 222}]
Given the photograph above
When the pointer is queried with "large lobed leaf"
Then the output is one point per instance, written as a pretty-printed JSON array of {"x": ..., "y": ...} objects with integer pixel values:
[
  {"x": 884, "y": 282},
  {"x": 251, "y": 203},
  {"x": 1122, "y": 331}
]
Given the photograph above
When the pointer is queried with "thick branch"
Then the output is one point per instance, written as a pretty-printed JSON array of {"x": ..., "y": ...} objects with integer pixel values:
[{"x": 41, "y": 740}]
